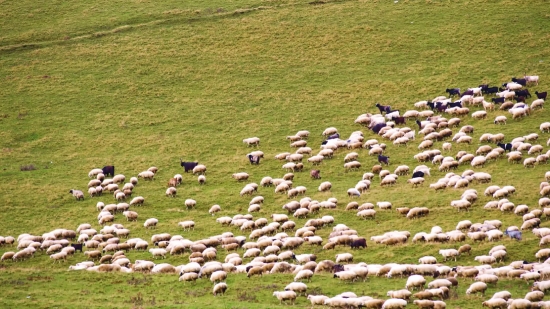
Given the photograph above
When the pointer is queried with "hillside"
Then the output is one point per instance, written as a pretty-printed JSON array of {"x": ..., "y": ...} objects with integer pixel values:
[{"x": 139, "y": 84}]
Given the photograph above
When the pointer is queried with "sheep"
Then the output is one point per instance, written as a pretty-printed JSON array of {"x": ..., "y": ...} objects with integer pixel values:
[
  {"x": 137, "y": 201},
  {"x": 218, "y": 276},
  {"x": 487, "y": 278},
  {"x": 495, "y": 303},
  {"x": 285, "y": 296},
  {"x": 59, "y": 256},
  {"x": 189, "y": 276},
  {"x": 529, "y": 162},
  {"x": 190, "y": 203},
  {"x": 297, "y": 287},
  {"x": 346, "y": 276},
  {"x": 477, "y": 287},
  {"x": 519, "y": 304},
  {"x": 78, "y": 195},
  {"x": 344, "y": 257},
  {"x": 449, "y": 253},
  {"x": 415, "y": 281},
  {"x": 394, "y": 304},
  {"x": 479, "y": 115},
  {"x": 500, "y": 120},
  {"x": 187, "y": 225},
  {"x": 352, "y": 165},
  {"x": 147, "y": 175},
  {"x": 219, "y": 288},
  {"x": 317, "y": 299},
  {"x": 325, "y": 186},
  {"x": 461, "y": 204}
]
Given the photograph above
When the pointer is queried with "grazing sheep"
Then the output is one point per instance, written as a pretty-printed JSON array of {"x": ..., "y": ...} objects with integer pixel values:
[
  {"x": 394, "y": 303},
  {"x": 150, "y": 223},
  {"x": 137, "y": 201},
  {"x": 317, "y": 299},
  {"x": 344, "y": 257},
  {"x": 147, "y": 175},
  {"x": 285, "y": 296},
  {"x": 325, "y": 186},
  {"x": 78, "y": 195},
  {"x": 221, "y": 287},
  {"x": 187, "y": 225},
  {"x": 477, "y": 287}
]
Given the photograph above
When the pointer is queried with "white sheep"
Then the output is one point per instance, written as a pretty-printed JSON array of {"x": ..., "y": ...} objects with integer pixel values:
[
  {"x": 352, "y": 165},
  {"x": 394, "y": 303},
  {"x": 158, "y": 252},
  {"x": 477, "y": 287},
  {"x": 219, "y": 288},
  {"x": 285, "y": 296},
  {"x": 252, "y": 141},
  {"x": 346, "y": 275},
  {"x": 58, "y": 257},
  {"x": 147, "y": 175},
  {"x": 325, "y": 186},
  {"x": 297, "y": 287},
  {"x": 415, "y": 281},
  {"x": 190, "y": 203},
  {"x": 449, "y": 253},
  {"x": 187, "y": 225},
  {"x": 344, "y": 257},
  {"x": 317, "y": 299},
  {"x": 150, "y": 223}
]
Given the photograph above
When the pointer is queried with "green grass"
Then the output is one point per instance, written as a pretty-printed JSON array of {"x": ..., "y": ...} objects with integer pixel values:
[{"x": 139, "y": 84}]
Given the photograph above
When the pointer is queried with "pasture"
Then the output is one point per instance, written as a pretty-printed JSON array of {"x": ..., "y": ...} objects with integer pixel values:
[{"x": 137, "y": 84}]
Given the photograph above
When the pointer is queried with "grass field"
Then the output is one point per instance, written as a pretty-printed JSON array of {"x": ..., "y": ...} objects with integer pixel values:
[{"x": 141, "y": 83}]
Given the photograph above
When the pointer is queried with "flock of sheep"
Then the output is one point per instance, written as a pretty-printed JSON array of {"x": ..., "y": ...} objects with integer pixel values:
[{"x": 270, "y": 244}]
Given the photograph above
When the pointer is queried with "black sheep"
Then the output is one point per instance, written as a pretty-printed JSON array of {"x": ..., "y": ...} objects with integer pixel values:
[
  {"x": 506, "y": 147},
  {"x": 253, "y": 159}
]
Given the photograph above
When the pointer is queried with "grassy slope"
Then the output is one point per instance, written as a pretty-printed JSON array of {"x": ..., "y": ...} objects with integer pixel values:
[{"x": 193, "y": 85}]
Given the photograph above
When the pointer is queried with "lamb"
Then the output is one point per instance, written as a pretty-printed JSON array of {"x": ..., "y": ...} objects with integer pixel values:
[
  {"x": 477, "y": 287},
  {"x": 285, "y": 296}
]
